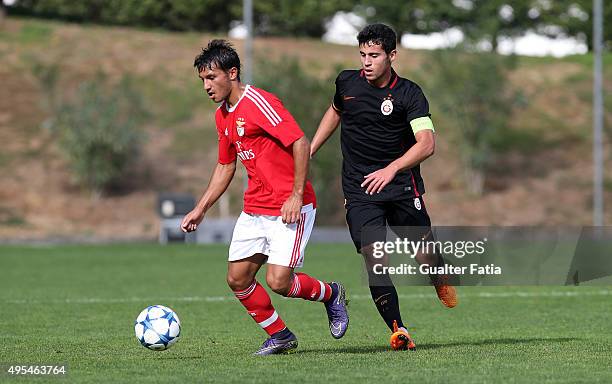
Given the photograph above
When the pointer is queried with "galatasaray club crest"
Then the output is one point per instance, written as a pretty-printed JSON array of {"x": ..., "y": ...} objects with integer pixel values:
[
  {"x": 387, "y": 106},
  {"x": 417, "y": 203},
  {"x": 240, "y": 126}
]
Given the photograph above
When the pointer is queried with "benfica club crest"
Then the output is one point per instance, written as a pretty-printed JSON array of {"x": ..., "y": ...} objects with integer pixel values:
[
  {"x": 387, "y": 106},
  {"x": 240, "y": 126}
]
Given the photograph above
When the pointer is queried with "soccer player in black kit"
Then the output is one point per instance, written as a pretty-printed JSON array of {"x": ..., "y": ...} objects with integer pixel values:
[{"x": 386, "y": 133}]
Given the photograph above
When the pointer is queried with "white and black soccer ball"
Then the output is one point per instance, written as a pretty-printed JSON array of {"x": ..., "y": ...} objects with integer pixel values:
[{"x": 157, "y": 327}]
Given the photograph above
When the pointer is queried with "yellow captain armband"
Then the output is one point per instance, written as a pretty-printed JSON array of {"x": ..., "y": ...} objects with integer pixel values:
[{"x": 421, "y": 123}]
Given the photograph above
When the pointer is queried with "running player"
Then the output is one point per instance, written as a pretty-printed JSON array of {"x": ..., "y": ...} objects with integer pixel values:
[
  {"x": 279, "y": 203},
  {"x": 386, "y": 133}
]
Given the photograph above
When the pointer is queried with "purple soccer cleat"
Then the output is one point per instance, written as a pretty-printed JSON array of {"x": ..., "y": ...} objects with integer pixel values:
[
  {"x": 336, "y": 311},
  {"x": 275, "y": 345}
]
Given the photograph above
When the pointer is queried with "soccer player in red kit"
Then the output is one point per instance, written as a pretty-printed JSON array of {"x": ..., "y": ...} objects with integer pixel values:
[{"x": 279, "y": 203}]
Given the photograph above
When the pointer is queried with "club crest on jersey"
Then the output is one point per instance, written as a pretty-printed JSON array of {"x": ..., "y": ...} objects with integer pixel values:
[
  {"x": 240, "y": 126},
  {"x": 387, "y": 106},
  {"x": 417, "y": 203}
]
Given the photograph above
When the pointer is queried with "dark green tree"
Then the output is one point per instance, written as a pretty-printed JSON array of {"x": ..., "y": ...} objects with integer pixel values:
[
  {"x": 100, "y": 131},
  {"x": 272, "y": 17},
  {"x": 206, "y": 15},
  {"x": 297, "y": 18},
  {"x": 487, "y": 19}
]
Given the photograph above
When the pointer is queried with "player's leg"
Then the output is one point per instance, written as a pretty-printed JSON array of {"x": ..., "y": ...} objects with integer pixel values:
[
  {"x": 442, "y": 283},
  {"x": 409, "y": 218},
  {"x": 287, "y": 247},
  {"x": 245, "y": 259},
  {"x": 367, "y": 225},
  {"x": 285, "y": 282},
  {"x": 241, "y": 273},
  {"x": 253, "y": 296}
]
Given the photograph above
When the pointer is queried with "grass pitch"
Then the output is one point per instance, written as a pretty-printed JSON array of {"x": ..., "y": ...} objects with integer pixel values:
[{"x": 77, "y": 305}]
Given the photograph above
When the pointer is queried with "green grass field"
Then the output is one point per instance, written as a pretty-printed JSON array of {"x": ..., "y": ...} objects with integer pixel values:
[{"x": 77, "y": 305}]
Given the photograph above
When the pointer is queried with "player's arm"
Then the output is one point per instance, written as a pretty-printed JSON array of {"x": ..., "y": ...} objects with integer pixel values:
[
  {"x": 219, "y": 181},
  {"x": 329, "y": 123},
  {"x": 291, "y": 209},
  {"x": 421, "y": 150}
]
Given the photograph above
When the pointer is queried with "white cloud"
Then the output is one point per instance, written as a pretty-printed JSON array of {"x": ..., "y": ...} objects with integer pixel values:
[
  {"x": 343, "y": 28},
  {"x": 532, "y": 44},
  {"x": 506, "y": 12},
  {"x": 238, "y": 30},
  {"x": 447, "y": 39},
  {"x": 464, "y": 4},
  {"x": 575, "y": 11}
]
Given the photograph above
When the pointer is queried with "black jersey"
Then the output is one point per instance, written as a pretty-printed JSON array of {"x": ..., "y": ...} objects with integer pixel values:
[{"x": 376, "y": 130}]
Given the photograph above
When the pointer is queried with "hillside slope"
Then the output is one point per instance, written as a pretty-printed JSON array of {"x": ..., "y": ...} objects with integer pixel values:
[{"x": 544, "y": 178}]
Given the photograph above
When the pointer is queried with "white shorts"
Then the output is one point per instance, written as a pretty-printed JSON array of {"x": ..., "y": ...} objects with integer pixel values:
[{"x": 284, "y": 244}]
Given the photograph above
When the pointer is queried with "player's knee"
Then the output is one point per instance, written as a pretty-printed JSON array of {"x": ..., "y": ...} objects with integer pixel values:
[
  {"x": 279, "y": 285},
  {"x": 370, "y": 258},
  {"x": 238, "y": 283},
  {"x": 367, "y": 251}
]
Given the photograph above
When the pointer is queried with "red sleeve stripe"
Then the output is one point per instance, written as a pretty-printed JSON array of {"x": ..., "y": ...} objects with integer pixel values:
[{"x": 265, "y": 104}]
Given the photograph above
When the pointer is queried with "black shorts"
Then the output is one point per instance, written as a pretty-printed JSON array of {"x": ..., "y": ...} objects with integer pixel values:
[{"x": 368, "y": 220}]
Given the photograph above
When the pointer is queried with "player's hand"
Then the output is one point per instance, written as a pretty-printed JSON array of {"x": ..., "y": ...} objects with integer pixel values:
[
  {"x": 376, "y": 181},
  {"x": 291, "y": 209},
  {"x": 192, "y": 220}
]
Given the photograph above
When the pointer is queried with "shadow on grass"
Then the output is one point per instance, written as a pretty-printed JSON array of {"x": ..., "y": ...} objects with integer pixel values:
[{"x": 421, "y": 347}]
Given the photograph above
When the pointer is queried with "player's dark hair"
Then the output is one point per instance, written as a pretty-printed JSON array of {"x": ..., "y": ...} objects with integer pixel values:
[
  {"x": 379, "y": 34},
  {"x": 220, "y": 54}
]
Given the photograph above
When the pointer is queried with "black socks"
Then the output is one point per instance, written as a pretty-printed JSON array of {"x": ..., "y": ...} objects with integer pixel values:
[{"x": 386, "y": 301}]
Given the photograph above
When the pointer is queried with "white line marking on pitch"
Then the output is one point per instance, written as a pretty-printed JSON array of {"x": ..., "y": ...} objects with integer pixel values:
[{"x": 484, "y": 295}]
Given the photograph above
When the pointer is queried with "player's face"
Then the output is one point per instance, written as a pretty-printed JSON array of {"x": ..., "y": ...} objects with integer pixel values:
[
  {"x": 375, "y": 61},
  {"x": 217, "y": 82}
]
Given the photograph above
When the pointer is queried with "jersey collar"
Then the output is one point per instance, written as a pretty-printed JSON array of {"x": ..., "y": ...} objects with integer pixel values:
[
  {"x": 393, "y": 79},
  {"x": 233, "y": 107},
  {"x": 390, "y": 85}
]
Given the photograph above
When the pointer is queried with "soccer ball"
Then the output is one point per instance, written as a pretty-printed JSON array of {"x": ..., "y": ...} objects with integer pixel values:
[{"x": 157, "y": 327}]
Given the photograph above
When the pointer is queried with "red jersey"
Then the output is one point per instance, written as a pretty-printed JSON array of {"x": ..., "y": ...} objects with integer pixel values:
[{"x": 260, "y": 131}]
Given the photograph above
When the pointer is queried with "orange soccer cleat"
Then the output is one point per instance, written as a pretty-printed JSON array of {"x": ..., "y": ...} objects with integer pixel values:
[
  {"x": 401, "y": 340},
  {"x": 446, "y": 293}
]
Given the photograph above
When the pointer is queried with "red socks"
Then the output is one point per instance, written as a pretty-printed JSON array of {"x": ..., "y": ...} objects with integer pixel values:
[
  {"x": 309, "y": 288},
  {"x": 257, "y": 302}
]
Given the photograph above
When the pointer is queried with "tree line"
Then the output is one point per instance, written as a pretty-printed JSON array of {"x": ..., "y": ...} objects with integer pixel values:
[{"x": 487, "y": 19}]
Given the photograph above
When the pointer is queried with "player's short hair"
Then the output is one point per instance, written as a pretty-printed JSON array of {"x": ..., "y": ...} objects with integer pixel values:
[
  {"x": 379, "y": 34},
  {"x": 220, "y": 54}
]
